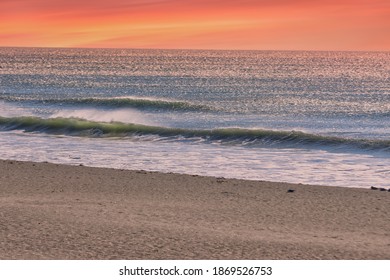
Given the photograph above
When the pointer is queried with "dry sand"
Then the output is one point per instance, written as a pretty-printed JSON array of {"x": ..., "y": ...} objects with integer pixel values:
[{"x": 50, "y": 211}]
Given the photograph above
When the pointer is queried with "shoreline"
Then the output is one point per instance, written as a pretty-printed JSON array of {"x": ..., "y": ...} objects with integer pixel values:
[{"x": 52, "y": 211}]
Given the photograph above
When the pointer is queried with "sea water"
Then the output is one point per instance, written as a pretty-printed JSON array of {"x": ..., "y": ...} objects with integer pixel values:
[{"x": 302, "y": 117}]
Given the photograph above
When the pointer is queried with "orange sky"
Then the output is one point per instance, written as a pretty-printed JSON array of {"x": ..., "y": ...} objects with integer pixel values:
[{"x": 198, "y": 24}]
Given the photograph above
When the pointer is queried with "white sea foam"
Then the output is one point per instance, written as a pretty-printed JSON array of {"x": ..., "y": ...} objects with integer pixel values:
[
  {"x": 119, "y": 115},
  {"x": 288, "y": 165}
]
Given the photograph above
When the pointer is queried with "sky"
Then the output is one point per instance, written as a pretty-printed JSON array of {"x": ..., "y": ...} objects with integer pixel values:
[{"x": 362, "y": 25}]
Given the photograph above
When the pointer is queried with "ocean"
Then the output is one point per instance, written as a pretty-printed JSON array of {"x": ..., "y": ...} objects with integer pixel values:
[{"x": 289, "y": 116}]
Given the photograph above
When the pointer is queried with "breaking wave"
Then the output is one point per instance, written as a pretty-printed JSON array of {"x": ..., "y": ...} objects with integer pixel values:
[
  {"x": 234, "y": 136},
  {"x": 115, "y": 102}
]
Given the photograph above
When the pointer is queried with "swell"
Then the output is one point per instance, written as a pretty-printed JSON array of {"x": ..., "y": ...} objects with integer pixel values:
[
  {"x": 114, "y": 102},
  {"x": 234, "y": 136}
]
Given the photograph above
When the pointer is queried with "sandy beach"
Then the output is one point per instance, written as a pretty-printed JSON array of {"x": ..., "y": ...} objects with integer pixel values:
[{"x": 51, "y": 211}]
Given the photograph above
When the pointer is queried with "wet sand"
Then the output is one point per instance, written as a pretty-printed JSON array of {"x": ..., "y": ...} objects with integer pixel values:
[{"x": 50, "y": 211}]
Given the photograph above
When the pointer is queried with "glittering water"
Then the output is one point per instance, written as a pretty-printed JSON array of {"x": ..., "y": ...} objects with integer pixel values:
[{"x": 308, "y": 117}]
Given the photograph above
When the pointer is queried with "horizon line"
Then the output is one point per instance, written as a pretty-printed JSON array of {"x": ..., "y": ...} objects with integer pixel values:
[{"x": 191, "y": 49}]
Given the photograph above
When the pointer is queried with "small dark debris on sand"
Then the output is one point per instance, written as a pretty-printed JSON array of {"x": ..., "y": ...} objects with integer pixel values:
[
  {"x": 380, "y": 189},
  {"x": 221, "y": 180}
]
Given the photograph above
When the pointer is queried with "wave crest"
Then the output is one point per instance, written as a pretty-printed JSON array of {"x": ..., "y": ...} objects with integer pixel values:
[
  {"x": 115, "y": 102},
  {"x": 233, "y": 136}
]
